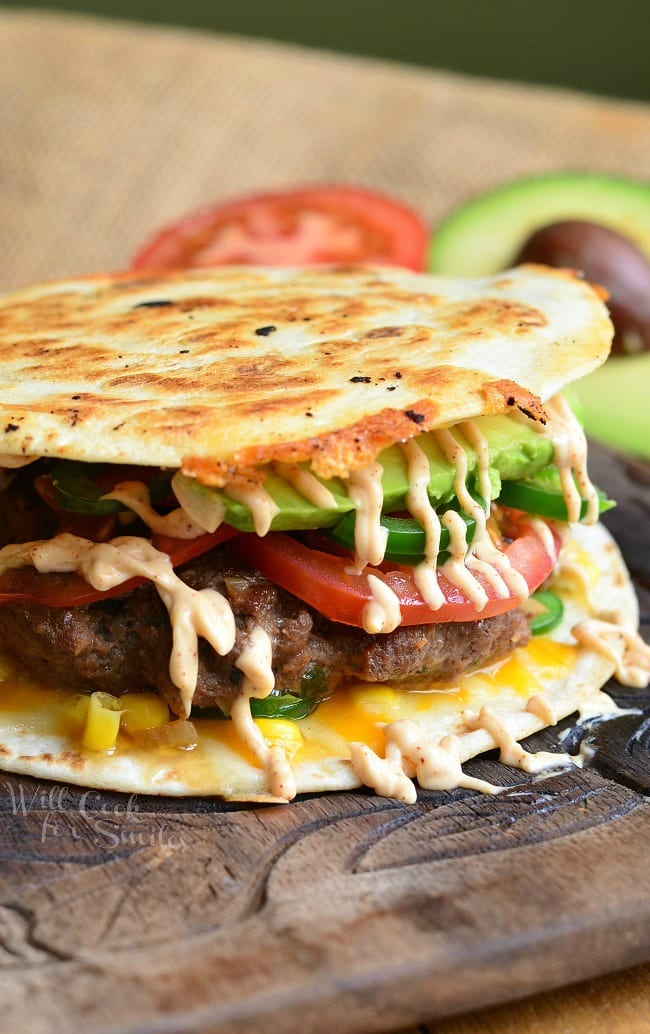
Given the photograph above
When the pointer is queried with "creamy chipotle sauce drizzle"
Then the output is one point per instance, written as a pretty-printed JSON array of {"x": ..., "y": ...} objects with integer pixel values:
[
  {"x": 382, "y": 612},
  {"x": 617, "y": 642},
  {"x": 511, "y": 751},
  {"x": 366, "y": 492},
  {"x": 255, "y": 661},
  {"x": 542, "y": 708},
  {"x": 570, "y": 457},
  {"x": 307, "y": 485},
  {"x": 135, "y": 495},
  {"x": 409, "y": 754},
  {"x": 262, "y": 507},
  {"x": 419, "y": 506}
]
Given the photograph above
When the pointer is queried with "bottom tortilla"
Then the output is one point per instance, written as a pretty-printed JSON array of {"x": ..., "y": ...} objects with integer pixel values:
[{"x": 36, "y": 739}]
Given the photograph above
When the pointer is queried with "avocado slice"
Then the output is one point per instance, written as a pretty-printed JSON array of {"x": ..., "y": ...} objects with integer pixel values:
[
  {"x": 515, "y": 452},
  {"x": 614, "y": 403},
  {"x": 484, "y": 235}
]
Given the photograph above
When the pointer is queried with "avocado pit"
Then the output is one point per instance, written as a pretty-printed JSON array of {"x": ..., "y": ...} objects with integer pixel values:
[{"x": 605, "y": 257}]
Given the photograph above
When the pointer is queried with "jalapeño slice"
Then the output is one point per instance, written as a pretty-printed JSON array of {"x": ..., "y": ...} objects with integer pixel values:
[
  {"x": 280, "y": 705},
  {"x": 77, "y": 487},
  {"x": 542, "y": 495},
  {"x": 550, "y": 617},
  {"x": 406, "y": 538}
]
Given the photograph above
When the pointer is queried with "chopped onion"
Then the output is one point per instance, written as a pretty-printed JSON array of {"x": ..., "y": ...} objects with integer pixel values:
[{"x": 179, "y": 733}]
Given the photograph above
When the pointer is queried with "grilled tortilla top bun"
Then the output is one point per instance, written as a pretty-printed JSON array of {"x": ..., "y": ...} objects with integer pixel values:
[{"x": 221, "y": 370}]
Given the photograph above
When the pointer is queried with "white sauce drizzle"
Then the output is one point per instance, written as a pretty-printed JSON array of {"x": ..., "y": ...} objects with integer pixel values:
[
  {"x": 455, "y": 454},
  {"x": 544, "y": 534},
  {"x": 385, "y": 776},
  {"x": 307, "y": 485},
  {"x": 262, "y": 507},
  {"x": 487, "y": 553},
  {"x": 135, "y": 495},
  {"x": 255, "y": 663},
  {"x": 620, "y": 643},
  {"x": 600, "y": 705},
  {"x": 366, "y": 492},
  {"x": 542, "y": 708},
  {"x": 570, "y": 457},
  {"x": 482, "y": 556},
  {"x": 511, "y": 751},
  {"x": 478, "y": 441},
  {"x": 455, "y": 568},
  {"x": 382, "y": 612},
  {"x": 104, "y": 565},
  {"x": 411, "y": 753},
  {"x": 419, "y": 506}
]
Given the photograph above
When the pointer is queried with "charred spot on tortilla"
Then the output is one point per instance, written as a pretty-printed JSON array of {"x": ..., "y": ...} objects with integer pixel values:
[{"x": 334, "y": 588}]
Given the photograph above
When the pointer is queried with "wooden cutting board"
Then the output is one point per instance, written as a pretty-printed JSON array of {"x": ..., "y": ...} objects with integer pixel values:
[{"x": 336, "y": 913}]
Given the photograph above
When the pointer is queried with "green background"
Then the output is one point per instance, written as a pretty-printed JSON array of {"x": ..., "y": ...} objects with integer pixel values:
[{"x": 602, "y": 46}]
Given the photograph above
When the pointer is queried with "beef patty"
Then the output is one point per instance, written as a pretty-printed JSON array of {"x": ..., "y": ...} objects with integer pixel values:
[{"x": 124, "y": 643}]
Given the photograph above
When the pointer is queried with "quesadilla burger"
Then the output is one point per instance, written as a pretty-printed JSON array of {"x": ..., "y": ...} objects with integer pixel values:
[{"x": 269, "y": 531}]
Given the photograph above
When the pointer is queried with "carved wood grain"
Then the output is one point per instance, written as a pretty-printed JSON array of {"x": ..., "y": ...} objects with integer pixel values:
[{"x": 339, "y": 912}]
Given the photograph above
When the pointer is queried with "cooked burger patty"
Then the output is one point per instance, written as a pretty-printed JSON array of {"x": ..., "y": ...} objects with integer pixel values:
[{"x": 123, "y": 644}]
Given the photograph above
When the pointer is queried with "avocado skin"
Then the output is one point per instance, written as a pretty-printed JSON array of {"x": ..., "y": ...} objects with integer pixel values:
[
  {"x": 516, "y": 451},
  {"x": 485, "y": 234}
]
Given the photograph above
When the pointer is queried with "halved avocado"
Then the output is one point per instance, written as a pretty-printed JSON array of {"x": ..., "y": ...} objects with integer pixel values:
[{"x": 484, "y": 235}]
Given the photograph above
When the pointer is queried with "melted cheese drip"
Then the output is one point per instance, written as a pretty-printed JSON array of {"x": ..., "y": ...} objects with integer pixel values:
[
  {"x": 135, "y": 496},
  {"x": 511, "y": 751},
  {"x": 366, "y": 492},
  {"x": 255, "y": 663},
  {"x": 105, "y": 565},
  {"x": 578, "y": 568},
  {"x": 262, "y": 507},
  {"x": 307, "y": 485},
  {"x": 570, "y": 457},
  {"x": 617, "y": 642}
]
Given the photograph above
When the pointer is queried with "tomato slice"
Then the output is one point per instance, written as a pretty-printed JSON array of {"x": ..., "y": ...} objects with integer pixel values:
[
  {"x": 320, "y": 579},
  {"x": 71, "y": 590},
  {"x": 292, "y": 228}
]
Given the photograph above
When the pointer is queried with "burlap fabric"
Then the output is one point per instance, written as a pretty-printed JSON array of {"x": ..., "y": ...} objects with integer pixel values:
[{"x": 108, "y": 129}]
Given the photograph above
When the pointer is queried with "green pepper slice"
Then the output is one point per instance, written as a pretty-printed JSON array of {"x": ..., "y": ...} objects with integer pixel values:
[
  {"x": 285, "y": 705},
  {"x": 542, "y": 495},
  {"x": 552, "y": 614},
  {"x": 406, "y": 538},
  {"x": 76, "y": 489},
  {"x": 281, "y": 705}
]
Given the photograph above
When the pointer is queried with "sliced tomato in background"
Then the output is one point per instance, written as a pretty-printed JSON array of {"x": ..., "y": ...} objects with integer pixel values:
[
  {"x": 313, "y": 226},
  {"x": 71, "y": 590},
  {"x": 320, "y": 580}
]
